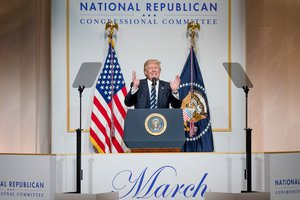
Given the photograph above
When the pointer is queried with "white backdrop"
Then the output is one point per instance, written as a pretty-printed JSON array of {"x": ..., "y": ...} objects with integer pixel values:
[{"x": 78, "y": 35}]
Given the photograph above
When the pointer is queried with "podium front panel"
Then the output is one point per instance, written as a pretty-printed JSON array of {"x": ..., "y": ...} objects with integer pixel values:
[{"x": 139, "y": 132}]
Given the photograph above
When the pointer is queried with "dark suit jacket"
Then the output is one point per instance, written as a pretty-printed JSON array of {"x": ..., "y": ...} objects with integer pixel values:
[{"x": 141, "y": 98}]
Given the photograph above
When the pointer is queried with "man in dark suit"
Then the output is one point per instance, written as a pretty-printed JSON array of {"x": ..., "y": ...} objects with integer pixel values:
[{"x": 142, "y": 91}]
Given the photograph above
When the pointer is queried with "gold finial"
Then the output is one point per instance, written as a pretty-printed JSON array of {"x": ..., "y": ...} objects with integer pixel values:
[
  {"x": 110, "y": 26},
  {"x": 192, "y": 28}
]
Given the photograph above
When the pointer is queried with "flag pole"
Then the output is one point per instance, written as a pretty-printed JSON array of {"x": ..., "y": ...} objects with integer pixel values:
[
  {"x": 110, "y": 27},
  {"x": 192, "y": 28}
]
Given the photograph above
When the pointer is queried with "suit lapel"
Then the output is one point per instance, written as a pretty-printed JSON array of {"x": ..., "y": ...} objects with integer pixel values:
[
  {"x": 146, "y": 97},
  {"x": 161, "y": 93}
]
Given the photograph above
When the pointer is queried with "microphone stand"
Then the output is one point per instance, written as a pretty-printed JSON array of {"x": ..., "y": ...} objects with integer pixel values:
[{"x": 154, "y": 81}]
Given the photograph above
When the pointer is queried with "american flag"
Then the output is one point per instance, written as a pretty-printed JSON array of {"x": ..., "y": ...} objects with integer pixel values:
[
  {"x": 187, "y": 114},
  {"x": 109, "y": 110}
]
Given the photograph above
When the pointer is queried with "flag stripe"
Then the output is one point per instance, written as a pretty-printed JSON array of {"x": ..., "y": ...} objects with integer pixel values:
[
  {"x": 119, "y": 105},
  {"x": 96, "y": 141},
  {"x": 102, "y": 109},
  {"x": 101, "y": 130},
  {"x": 118, "y": 128}
]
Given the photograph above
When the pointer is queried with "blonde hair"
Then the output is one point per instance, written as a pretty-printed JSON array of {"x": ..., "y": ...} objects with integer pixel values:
[{"x": 155, "y": 61}]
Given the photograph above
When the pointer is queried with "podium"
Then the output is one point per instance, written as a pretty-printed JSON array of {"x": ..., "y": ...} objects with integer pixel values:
[{"x": 154, "y": 130}]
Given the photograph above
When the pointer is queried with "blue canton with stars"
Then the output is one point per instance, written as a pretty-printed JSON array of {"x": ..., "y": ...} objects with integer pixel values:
[{"x": 111, "y": 79}]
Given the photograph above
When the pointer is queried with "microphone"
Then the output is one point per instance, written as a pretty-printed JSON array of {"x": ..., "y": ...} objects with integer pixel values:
[{"x": 154, "y": 81}]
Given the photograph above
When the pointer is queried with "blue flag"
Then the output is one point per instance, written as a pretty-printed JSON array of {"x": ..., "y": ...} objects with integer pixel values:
[{"x": 198, "y": 131}]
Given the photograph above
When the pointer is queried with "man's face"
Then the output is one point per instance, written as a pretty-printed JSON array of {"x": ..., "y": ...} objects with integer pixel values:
[{"x": 152, "y": 71}]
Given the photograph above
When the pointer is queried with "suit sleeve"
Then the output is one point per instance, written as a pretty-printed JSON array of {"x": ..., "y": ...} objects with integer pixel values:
[
  {"x": 130, "y": 99},
  {"x": 175, "y": 103}
]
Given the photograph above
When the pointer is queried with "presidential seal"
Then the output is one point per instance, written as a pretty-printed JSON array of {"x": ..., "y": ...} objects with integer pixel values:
[
  {"x": 155, "y": 124},
  {"x": 194, "y": 108}
]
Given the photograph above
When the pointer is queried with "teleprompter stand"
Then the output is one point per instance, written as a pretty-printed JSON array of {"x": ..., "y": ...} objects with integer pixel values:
[
  {"x": 241, "y": 80},
  {"x": 85, "y": 78}
]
